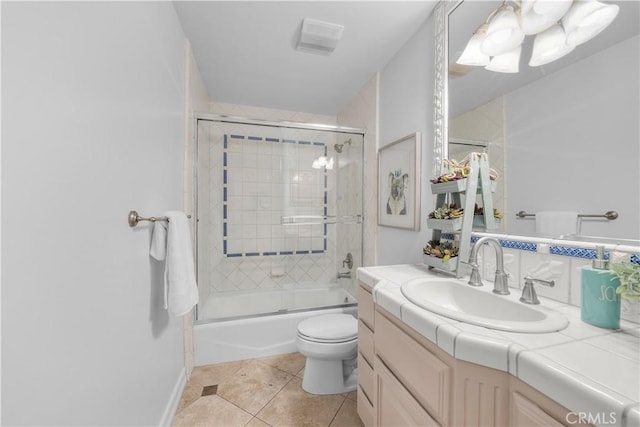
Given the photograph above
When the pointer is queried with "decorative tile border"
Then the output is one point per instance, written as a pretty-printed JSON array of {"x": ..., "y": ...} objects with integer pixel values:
[
  {"x": 225, "y": 198},
  {"x": 561, "y": 250}
]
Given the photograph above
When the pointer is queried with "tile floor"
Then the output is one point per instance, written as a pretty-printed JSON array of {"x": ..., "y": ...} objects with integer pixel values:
[{"x": 260, "y": 392}]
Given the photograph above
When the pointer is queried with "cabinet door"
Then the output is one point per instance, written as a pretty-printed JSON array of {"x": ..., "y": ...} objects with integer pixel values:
[
  {"x": 422, "y": 373},
  {"x": 365, "y": 307},
  {"x": 395, "y": 406},
  {"x": 526, "y": 413}
]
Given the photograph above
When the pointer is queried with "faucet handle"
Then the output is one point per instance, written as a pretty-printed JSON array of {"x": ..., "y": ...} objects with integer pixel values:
[
  {"x": 474, "y": 277},
  {"x": 529, "y": 295}
]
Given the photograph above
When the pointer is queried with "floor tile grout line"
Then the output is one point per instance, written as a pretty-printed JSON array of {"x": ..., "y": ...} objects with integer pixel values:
[
  {"x": 274, "y": 396},
  {"x": 336, "y": 414}
]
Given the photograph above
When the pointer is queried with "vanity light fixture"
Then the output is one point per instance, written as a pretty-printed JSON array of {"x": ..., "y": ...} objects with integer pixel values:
[
  {"x": 504, "y": 33},
  {"x": 550, "y": 45},
  {"x": 472, "y": 55},
  {"x": 586, "y": 19},
  {"x": 559, "y": 26},
  {"x": 323, "y": 162},
  {"x": 508, "y": 62},
  {"x": 540, "y": 15}
]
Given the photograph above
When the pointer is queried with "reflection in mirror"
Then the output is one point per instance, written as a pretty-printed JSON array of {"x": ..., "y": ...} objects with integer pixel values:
[{"x": 563, "y": 136}]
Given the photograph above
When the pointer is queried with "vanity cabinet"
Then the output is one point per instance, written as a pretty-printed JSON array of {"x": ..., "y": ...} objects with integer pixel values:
[
  {"x": 405, "y": 379},
  {"x": 366, "y": 375}
]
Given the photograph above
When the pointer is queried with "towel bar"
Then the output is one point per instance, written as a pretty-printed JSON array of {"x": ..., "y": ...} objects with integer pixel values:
[
  {"x": 134, "y": 218},
  {"x": 608, "y": 215}
]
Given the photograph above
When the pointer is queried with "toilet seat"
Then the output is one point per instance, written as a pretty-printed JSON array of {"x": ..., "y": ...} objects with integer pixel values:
[{"x": 329, "y": 328}]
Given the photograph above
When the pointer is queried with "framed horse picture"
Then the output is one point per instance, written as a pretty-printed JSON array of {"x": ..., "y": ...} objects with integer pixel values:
[{"x": 399, "y": 183}]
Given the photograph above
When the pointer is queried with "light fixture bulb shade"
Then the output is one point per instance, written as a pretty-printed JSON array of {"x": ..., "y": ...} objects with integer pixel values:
[
  {"x": 550, "y": 45},
  {"x": 472, "y": 55},
  {"x": 504, "y": 33},
  {"x": 586, "y": 19},
  {"x": 507, "y": 62},
  {"x": 526, "y": 6},
  {"x": 543, "y": 14}
]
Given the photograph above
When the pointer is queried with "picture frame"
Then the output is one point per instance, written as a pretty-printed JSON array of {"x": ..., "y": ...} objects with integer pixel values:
[{"x": 399, "y": 175}]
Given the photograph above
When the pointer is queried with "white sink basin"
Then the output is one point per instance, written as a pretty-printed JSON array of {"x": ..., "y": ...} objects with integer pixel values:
[{"x": 454, "y": 299}]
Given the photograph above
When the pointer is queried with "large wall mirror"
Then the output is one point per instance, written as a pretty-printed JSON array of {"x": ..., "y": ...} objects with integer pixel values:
[{"x": 562, "y": 136}]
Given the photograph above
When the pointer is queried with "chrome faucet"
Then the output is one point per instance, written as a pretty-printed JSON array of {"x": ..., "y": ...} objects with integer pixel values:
[
  {"x": 501, "y": 281},
  {"x": 346, "y": 263},
  {"x": 529, "y": 295}
]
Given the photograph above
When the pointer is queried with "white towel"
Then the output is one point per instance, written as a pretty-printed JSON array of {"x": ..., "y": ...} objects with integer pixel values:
[
  {"x": 556, "y": 223},
  {"x": 172, "y": 241}
]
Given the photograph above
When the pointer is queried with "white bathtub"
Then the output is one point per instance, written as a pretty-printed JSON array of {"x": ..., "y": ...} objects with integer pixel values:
[{"x": 261, "y": 335}]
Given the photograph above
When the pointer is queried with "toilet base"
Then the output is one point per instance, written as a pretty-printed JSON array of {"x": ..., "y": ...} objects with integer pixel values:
[{"x": 327, "y": 377}]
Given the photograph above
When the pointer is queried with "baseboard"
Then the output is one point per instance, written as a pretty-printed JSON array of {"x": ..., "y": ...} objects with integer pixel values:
[{"x": 174, "y": 400}]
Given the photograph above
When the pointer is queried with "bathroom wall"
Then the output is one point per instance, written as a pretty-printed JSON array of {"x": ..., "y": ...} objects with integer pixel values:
[
  {"x": 406, "y": 106},
  {"x": 362, "y": 113},
  {"x": 560, "y": 133},
  {"x": 93, "y": 97}
]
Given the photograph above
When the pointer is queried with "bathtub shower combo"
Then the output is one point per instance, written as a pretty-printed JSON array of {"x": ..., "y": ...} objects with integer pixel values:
[{"x": 278, "y": 232}]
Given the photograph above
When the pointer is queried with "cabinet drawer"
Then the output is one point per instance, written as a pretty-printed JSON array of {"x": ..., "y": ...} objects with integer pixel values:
[
  {"x": 365, "y": 409},
  {"x": 365, "y": 341},
  {"x": 423, "y": 374},
  {"x": 365, "y": 307},
  {"x": 395, "y": 406},
  {"x": 366, "y": 378}
]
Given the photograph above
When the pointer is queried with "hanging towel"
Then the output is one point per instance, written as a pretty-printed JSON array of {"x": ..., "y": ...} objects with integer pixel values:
[
  {"x": 171, "y": 241},
  {"x": 556, "y": 223}
]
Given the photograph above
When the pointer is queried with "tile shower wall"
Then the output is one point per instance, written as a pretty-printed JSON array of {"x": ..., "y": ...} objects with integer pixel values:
[{"x": 266, "y": 179}]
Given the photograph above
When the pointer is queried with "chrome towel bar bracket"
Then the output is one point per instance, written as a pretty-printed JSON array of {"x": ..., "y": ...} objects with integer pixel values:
[{"x": 134, "y": 218}]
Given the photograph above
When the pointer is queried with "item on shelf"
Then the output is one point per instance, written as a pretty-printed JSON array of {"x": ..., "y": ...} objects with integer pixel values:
[
  {"x": 447, "y": 212},
  {"x": 459, "y": 170},
  {"x": 479, "y": 210},
  {"x": 442, "y": 250}
]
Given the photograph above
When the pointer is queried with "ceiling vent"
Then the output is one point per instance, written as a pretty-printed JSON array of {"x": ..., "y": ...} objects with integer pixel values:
[{"x": 318, "y": 36}]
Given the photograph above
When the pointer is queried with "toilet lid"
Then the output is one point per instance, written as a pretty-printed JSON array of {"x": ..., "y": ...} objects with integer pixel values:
[{"x": 329, "y": 328}]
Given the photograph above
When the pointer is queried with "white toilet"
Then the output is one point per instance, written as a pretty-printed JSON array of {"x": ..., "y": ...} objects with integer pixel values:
[{"x": 330, "y": 343}]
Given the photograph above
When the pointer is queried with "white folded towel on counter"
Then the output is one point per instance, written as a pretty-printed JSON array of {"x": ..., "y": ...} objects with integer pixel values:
[
  {"x": 556, "y": 223},
  {"x": 171, "y": 241}
]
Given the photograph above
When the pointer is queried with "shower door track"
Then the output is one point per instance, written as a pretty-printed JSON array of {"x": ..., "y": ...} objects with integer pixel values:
[{"x": 286, "y": 124}]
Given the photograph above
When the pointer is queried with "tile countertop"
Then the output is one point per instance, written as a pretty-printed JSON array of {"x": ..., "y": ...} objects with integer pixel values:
[{"x": 584, "y": 368}]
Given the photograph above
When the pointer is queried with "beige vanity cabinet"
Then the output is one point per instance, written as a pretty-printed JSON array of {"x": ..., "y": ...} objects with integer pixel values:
[
  {"x": 366, "y": 376},
  {"x": 405, "y": 379}
]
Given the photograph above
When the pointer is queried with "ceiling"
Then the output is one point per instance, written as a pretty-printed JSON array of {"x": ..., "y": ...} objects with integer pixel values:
[{"x": 246, "y": 49}]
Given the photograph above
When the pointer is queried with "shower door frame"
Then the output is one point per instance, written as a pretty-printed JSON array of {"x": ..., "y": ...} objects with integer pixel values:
[{"x": 223, "y": 118}]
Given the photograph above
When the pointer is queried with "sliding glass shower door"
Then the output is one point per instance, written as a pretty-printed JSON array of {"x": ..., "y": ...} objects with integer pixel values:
[{"x": 278, "y": 210}]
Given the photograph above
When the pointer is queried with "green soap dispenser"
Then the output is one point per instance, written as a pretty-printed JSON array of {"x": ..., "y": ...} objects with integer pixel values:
[{"x": 600, "y": 302}]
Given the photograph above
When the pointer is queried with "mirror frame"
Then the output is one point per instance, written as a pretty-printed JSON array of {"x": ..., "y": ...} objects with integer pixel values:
[{"x": 441, "y": 83}]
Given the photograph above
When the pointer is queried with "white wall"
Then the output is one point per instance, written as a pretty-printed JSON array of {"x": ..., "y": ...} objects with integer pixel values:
[
  {"x": 92, "y": 126},
  {"x": 560, "y": 154},
  {"x": 406, "y": 106}
]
